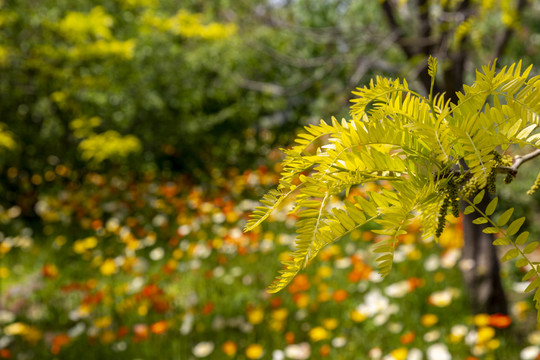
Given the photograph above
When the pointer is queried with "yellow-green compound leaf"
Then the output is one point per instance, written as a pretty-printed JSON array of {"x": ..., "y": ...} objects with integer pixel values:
[
  {"x": 492, "y": 206},
  {"x": 502, "y": 241},
  {"x": 529, "y": 275},
  {"x": 534, "y": 284},
  {"x": 480, "y": 220},
  {"x": 385, "y": 257},
  {"x": 510, "y": 254},
  {"x": 479, "y": 197},
  {"x": 503, "y": 219},
  {"x": 383, "y": 249},
  {"x": 367, "y": 206},
  {"x": 469, "y": 209},
  {"x": 530, "y": 248},
  {"x": 491, "y": 230},
  {"x": 522, "y": 262},
  {"x": 515, "y": 225},
  {"x": 522, "y": 238}
]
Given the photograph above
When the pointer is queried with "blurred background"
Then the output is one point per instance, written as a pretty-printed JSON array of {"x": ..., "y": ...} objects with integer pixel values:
[{"x": 137, "y": 135}]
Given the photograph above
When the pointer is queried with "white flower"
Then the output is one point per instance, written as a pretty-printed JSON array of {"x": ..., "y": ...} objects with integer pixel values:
[
  {"x": 375, "y": 277},
  {"x": 459, "y": 331},
  {"x": 278, "y": 355},
  {"x": 187, "y": 324},
  {"x": 431, "y": 336},
  {"x": 471, "y": 337},
  {"x": 395, "y": 327},
  {"x": 438, "y": 352},
  {"x": 159, "y": 220},
  {"x": 398, "y": 290},
  {"x": 203, "y": 349},
  {"x": 298, "y": 351},
  {"x": 6, "y": 316},
  {"x": 443, "y": 298},
  {"x": 374, "y": 302},
  {"x": 432, "y": 263},
  {"x": 529, "y": 353},
  {"x": 375, "y": 353},
  {"x": 339, "y": 342},
  {"x": 415, "y": 354},
  {"x": 343, "y": 263},
  {"x": 76, "y": 330},
  {"x": 157, "y": 254},
  {"x": 450, "y": 258}
]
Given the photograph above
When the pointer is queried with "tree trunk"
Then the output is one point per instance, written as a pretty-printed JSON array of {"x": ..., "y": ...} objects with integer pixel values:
[{"x": 480, "y": 267}]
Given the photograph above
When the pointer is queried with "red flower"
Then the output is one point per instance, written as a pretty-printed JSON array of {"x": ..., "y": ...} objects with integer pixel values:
[{"x": 207, "y": 308}]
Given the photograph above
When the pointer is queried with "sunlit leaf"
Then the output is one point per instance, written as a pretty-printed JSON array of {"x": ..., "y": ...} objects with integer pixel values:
[
  {"x": 503, "y": 219},
  {"x": 515, "y": 226},
  {"x": 522, "y": 238},
  {"x": 491, "y": 206},
  {"x": 510, "y": 254},
  {"x": 478, "y": 198}
]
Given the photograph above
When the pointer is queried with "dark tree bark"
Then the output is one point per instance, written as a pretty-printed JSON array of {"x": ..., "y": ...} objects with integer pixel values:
[
  {"x": 481, "y": 264},
  {"x": 480, "y": 267}
]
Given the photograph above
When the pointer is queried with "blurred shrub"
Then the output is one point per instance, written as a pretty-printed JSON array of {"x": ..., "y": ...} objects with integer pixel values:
[{"x": 159, "y": 78}]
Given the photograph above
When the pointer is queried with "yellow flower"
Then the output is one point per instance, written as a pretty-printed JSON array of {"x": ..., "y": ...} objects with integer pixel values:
[
  {"x": 428, "y": 320},
  {"x": 481, "y": 320},
  {"x": 108, "y": 267},
  {"x": 357, "y": 316},
  {"x": 79, "y": 247},
  {"x": 318, "y": 333},
  {"x": 414, "y": 255},
  {"x": 4, "y": 272},
  {"x": 280, "y": 314},
  {"x": 4, "y": 247},
  {"x": 102, "y": 322},
  {"x": 32, "y": 334},
  {"x": 324, "y": 272},
  {"x": 108, "y": 337},
  {"x": 493, "y": 344},
  {"x": 400, "y": 353},
  {"x": 17, "y": 328},
  {"x": 485, "y": 334},
  {"x": 330, "y": 323},
  {"x": 255, "y": 316},
  {"x": 254, "y": 351}
]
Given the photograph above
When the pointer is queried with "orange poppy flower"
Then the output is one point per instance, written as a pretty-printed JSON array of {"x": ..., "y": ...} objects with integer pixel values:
[
  {"x": 49, "y": 271},
  {"x": 229, "y": 348},
  {"x": 407, "y": 338},
  {"x": 340, "y": 295},
  {"x": 500, "y": 321},
  {"x": 5, "y": 353},
  {"x": 290, "y": 338},
  {"x": 158, "y": 327},
  {"x": 325, "y": 350},
  {"x": 58, "y": 342}
]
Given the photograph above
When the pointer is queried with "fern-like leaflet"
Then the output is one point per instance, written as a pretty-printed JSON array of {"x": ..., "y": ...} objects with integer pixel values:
[{"x": 429, "y": 151}]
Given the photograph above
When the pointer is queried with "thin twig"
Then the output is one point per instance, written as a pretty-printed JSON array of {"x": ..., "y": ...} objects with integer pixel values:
[
  {"x": 518, "y": 161},
  {"x": 512, "y": 170}
]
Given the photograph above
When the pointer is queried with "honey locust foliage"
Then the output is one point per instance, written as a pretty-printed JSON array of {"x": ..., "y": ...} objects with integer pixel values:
[{"x": 431, "y": 152}]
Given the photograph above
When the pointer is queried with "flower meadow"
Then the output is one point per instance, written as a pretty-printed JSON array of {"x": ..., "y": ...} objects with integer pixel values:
[{"x": 156, "y": 265}]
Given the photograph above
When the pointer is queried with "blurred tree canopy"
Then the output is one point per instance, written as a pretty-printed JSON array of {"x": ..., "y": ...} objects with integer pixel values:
[{"x": 198, "y": 86}]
